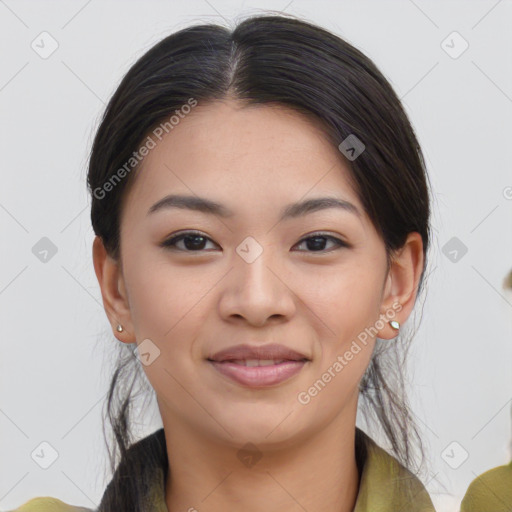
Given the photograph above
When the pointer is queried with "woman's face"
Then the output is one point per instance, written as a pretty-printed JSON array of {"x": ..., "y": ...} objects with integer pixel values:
[{"x": 260, "y": 272}]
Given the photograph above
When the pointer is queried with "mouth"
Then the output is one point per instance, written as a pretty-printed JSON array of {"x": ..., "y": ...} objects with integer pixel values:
[{"x": 260, "y": 366}]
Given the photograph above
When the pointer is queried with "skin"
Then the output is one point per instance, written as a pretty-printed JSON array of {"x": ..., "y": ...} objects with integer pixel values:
[{"x": 255, "y": 161}]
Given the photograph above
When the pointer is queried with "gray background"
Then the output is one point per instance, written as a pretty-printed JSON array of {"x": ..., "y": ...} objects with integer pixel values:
[{"x": 56, "y": 341}]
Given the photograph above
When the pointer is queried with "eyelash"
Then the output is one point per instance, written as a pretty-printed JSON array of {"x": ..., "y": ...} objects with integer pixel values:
[{"x": 170, "y": 243}]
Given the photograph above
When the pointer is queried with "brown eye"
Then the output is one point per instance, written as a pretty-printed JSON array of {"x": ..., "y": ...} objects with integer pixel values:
[
  {"x": 317, "y": 243},
  {"x": 192, "y": 242}
]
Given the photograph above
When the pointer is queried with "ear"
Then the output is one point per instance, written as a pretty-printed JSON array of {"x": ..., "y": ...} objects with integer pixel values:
[
  {"x": 401, "y": 285},
  {"x": 115, "y": 299}
]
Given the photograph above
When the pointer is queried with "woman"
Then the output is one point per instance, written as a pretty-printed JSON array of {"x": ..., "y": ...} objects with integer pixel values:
[
  {"x": 261, "y": 208},
  {"x": 491, "y": 491}
]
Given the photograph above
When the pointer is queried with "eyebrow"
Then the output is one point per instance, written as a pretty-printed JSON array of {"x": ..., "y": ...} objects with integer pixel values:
[{"x": 294, "y": 210}]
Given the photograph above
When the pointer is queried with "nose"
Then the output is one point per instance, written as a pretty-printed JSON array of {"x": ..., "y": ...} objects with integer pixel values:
[{"x": 257, "y": 292}]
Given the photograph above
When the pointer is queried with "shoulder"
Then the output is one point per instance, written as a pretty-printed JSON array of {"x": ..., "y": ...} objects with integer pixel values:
[
  {"x": 48, "y": 504},
  {"x": 386, "y": 485},
  {"x": 490, "y": 491}
]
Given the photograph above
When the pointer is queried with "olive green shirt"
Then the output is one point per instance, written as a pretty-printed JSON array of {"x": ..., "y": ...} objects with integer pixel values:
[
  {"x": 490, "y": 492},
  {"x": 385, "y": 486}
]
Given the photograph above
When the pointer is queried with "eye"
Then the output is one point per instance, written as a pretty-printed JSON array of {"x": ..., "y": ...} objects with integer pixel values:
[
  {"x": 192, "y": 242},
  {"x": 317, "y": 242}
]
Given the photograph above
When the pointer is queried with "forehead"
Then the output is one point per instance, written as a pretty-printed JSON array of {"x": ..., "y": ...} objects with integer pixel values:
[{"x": 226, "y": 149}]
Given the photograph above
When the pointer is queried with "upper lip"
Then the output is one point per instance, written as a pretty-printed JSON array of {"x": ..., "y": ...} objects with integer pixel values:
[{"x": 265, "y": 352}]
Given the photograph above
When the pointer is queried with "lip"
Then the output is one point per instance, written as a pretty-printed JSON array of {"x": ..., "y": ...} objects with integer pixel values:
[
  {"x": 265, "y": 352},
  {"x": 258, "y": 376}
]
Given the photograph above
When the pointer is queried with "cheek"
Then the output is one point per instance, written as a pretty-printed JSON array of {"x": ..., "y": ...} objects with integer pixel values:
[
  {"x": 164, "y": 297},
  {"x": 347, "y": 303},
  {"x": 169, "y": 306},
  {"x": 344, "y": 300}
]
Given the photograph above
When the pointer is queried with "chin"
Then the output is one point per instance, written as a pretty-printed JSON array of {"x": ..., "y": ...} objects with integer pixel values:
[{"x": 263, "y": 426}]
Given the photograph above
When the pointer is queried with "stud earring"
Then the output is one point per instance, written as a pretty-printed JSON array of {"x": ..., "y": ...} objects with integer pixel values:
[
  {"x": 119, "y": 328},
  {"x": 395, "y": 325}
]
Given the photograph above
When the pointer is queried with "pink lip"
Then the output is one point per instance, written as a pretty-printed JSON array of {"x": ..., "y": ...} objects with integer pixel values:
[
  {"x": 258, "y": 376},
  {"x": 272, "y": 351}
]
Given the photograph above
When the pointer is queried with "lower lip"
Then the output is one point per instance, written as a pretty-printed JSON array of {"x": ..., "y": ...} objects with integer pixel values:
[{"x": 257, "y": 376}]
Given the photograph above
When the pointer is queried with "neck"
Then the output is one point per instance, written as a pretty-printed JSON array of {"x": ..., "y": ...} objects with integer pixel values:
[{"x": 316, "y": 474}]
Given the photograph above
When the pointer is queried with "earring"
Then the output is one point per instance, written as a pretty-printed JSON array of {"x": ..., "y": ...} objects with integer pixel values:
[
  {"x": 395, "y": 325},
  {"x": 119, "y": 328}
]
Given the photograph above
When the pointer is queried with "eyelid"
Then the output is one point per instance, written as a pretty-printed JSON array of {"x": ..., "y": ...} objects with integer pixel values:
[{"x": 326, "y": 234}]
